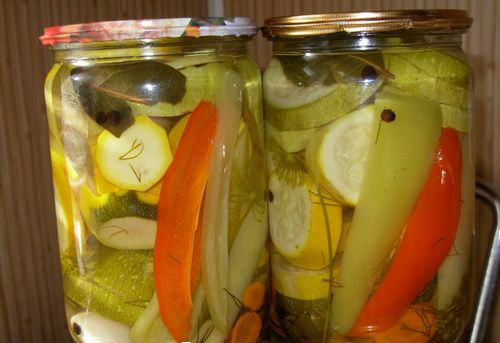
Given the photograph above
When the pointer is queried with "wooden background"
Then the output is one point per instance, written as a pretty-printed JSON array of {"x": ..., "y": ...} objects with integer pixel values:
[{"x": 31, "y": 308}]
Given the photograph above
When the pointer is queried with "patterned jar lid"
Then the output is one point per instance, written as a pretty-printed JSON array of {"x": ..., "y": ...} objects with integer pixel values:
[{"x": 149, "y": 29}]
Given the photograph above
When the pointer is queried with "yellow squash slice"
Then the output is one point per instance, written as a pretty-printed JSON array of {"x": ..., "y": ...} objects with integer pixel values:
[
  {"x": 298, "y": 223},
  {"x": 138, "y": 159}
]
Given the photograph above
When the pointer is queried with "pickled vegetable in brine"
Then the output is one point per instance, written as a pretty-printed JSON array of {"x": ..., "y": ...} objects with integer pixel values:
[
  {"x": 159, "y": 177},
  {"x": 370, "y": 194}
]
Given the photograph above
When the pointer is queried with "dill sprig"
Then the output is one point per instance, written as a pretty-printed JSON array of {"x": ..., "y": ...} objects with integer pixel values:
[
  {"x": 289, "y": 167},
  {"x": 426, "y": 316},
  {"x": 451, "y": 320},
  {"x": 330, "y": 263},
  {"x": 247, "y": 192}
]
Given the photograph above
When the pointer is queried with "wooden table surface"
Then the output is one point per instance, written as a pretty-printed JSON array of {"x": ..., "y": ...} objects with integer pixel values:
[{"x": 31, "y": 308}]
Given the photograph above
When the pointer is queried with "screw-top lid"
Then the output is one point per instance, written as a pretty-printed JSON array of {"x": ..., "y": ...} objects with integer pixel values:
[
  {"x": 149, "y": 29},
  {"x": 357, "y": 22}
]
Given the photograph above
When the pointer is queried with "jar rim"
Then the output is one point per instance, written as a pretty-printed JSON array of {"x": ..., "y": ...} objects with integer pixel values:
[
  {"x": 149, "y": 29},
  {"x": 366, "y": 22}
]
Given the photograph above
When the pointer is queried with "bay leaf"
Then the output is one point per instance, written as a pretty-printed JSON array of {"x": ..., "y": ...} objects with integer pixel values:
[{"x": 104, "y": 90}]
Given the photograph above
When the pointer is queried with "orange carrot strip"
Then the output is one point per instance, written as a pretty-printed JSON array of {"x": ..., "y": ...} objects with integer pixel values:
[
  {"x": 253, "y": 298},
  {"x": 425, "y": 244},
  {"x": 178, "y": 211}
]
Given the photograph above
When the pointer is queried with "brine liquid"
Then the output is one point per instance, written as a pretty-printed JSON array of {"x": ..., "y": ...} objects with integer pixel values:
[
  {"x": 371, "y": 195},
  {"x": 119, "y": 132}
]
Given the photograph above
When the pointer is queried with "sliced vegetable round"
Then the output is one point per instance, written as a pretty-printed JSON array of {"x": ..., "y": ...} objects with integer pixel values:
[
  {"x": 337, "y": 154},
  {"x": 98, "y": 209},
  {"x": 440, "y": 64},
  {"x": 299, "y": 283},
  {"x": 253, "y": 297},
  {"x": 117, "y": 284},
  {"x": 298, "y": 225},
  {"x": 291, "y": 108},
  {"x": 136, "y": 160},
  {"x": 247, "y": 328},
  {"x": 342, "y": 100},
  {"x": 128, "y": 233},
  {"x": 411, "y": 78}
]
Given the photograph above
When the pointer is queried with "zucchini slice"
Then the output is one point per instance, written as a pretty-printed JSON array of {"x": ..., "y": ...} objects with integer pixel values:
[
  {"x": 98, "y": 209},
  {"x": 337, "y": 153},
  {"x": 119, "y": 220},
  {"x": 128, "y": 233},
  {"x": 136, "y": 160},
  {"x": 116, "y": 284}
]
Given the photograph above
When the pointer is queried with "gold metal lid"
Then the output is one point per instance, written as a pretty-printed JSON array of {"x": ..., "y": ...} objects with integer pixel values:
[{"x": 357, "y": 22}]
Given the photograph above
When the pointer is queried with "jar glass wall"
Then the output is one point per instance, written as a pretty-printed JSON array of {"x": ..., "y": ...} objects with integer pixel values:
[
  {"x": 159, "y": 180},
  {"x": 371, "y": 180}
]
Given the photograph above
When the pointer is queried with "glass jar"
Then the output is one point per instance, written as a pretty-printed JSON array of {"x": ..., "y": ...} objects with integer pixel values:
[
  {"x": 156, "y": 139},
  {"x": 371, "y": 176}
]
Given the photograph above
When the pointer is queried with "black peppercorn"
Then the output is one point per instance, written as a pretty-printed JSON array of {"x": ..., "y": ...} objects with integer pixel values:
[
  {"x": 114, "y": 117},
  {"x": 270, "y": 196},
  {"x": 388, "y": 115},
  {"x": 77, "y": 329},
  {"x": 101, "y": 118},
  {"x": 369, "y": 73}
]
